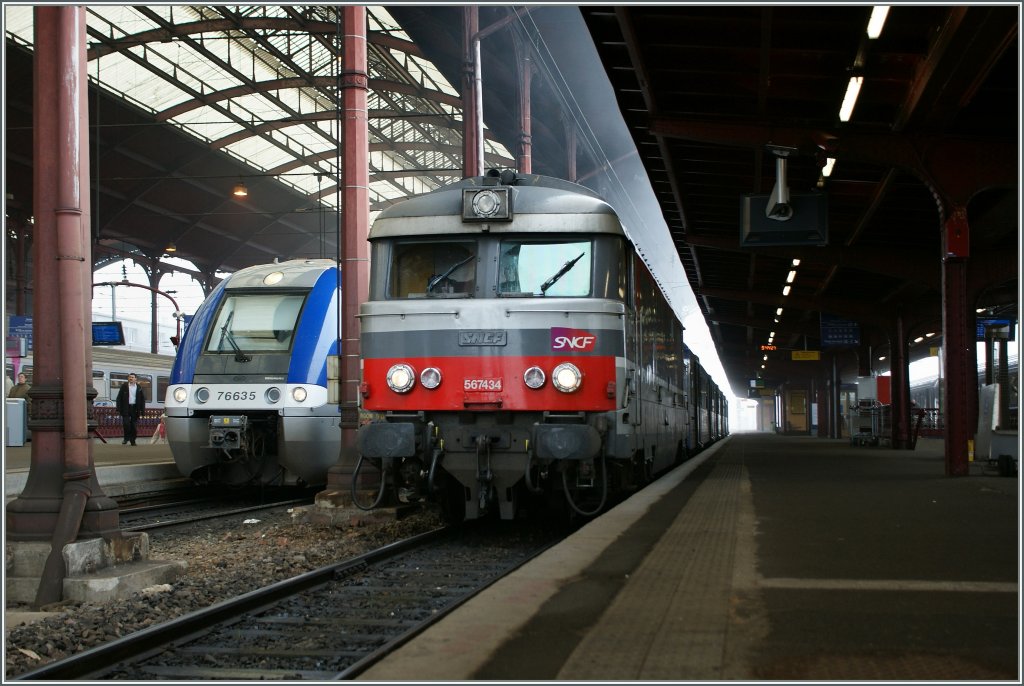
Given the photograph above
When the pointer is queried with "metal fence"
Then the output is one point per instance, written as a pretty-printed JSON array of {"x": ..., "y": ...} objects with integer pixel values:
[{"x": 109, "y": 424}]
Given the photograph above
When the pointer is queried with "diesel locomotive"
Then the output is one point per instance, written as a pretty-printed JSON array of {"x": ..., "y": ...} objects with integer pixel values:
[{"x": 517, "y": 351}]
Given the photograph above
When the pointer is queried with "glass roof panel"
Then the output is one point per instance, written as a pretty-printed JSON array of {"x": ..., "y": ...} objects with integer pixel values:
[
  {"x": 207, "y": 124},
  {"x": 259, "y": 151},
  {"x": 18, "y": 23},
  {"x": 182, "y": 68}
]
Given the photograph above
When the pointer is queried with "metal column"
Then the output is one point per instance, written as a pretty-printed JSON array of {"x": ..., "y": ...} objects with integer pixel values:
[
  {"x": 354, "y": 228},
  {"x": 900, "y": 387},
  {"x": 61, "y": 407},
  {"x": 471, "y": 100},
  {"x": 959, "y": 352},
  {"x": 525, "y": 72}
]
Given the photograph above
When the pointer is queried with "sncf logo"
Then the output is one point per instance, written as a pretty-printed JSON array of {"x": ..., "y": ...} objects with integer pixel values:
[{"x": 572, "y": 339}]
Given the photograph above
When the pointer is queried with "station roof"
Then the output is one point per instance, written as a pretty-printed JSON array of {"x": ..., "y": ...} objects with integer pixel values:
[
  {"x": 194, "y": 101},
  {"x": 714, "y": 95},
  {"x": 190, "y": 101}
]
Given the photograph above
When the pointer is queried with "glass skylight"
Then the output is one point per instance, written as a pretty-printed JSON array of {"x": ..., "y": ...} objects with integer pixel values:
[{"x": 225, "y": 86}]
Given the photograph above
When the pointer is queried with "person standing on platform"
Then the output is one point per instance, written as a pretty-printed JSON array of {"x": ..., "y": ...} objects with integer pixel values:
[
  {"x": 20, "y": 389},
  {"x": 131, "y": 401}
]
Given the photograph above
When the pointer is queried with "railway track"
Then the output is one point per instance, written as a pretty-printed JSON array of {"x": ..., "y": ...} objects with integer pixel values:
[
  {"x": 188, "y": 510},
  {"x": 331, "y": 623}
]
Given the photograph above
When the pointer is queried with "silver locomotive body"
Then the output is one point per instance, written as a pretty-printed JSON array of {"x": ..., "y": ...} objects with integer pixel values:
[{"x": 515, "y": 350}]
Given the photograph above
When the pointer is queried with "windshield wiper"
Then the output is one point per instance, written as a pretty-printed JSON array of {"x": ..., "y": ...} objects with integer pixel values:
[
  {"x": 441, "y": 277},
  {"x": 239, "y": 355},
  {"x": 560, "y": 273}
]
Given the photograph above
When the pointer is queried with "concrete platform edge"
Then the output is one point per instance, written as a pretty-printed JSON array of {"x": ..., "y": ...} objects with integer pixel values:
[{"x": 458, "y": 645}]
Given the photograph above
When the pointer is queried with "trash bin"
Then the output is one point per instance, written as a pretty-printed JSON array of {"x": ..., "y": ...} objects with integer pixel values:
[{"x": 17, "y": 422}]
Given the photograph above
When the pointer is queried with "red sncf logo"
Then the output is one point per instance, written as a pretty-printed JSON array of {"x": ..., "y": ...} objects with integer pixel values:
[{"x": 572, "y": 340}]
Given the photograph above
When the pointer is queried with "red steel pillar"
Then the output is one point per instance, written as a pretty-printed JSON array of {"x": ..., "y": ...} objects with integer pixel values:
[
  {"x": 61, "y": 499},
  {"x": 570, "y": 147},
  {"x": 355, "y": 227},
  {"x": 899, "y": 365},
  {"x": 836, "y": 405},
  {"x": 154, "y": 275},
  {"x": 960, "y": 365},
  {"x": 525, "y": 69},
  {"x": 471, "y": 97}
]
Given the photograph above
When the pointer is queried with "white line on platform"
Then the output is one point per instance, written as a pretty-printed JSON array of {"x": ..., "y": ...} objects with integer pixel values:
[{"x": 889, "y": 585}]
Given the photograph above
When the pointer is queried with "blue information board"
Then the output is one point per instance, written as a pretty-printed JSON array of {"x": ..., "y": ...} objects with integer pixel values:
[
  {"x": 107, "y": 333},
  {"x": 837, "y": 332},
  {"x": 20, "y": 326},
  {"x": 986, "y": 323}
]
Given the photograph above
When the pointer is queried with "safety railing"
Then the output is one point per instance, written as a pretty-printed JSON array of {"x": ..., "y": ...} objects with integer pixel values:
[{"x": 108, "y": 422}]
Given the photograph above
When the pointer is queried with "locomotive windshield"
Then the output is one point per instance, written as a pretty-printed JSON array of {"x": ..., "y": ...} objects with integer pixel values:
[
  {"x": 551, "y": 268},
  {"x": 433, "y": 269},
  {"x": 251, "y": 322},
  {"x": 510, "y": 266}
]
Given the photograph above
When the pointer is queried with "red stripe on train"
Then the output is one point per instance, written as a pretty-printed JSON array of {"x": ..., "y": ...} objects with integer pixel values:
[{"x": 467, "y": 383}]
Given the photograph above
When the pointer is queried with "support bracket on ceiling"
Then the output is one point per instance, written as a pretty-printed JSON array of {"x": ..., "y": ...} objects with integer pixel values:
[{"x": 778, "y": 207}]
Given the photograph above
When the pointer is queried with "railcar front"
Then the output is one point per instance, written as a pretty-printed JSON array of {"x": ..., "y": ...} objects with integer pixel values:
[
  {"x": 494, "y": 346},
  {"x": 248, "y": 400}
]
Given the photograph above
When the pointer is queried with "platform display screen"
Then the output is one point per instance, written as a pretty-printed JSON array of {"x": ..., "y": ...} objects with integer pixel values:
[{"x": 107, "y": 333}]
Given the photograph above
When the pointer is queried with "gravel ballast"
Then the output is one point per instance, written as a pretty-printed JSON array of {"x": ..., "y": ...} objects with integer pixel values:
[{"x": 225, "y": 557}]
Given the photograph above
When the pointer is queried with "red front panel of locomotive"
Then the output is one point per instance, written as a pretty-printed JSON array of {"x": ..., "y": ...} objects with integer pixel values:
[{"x": 558, "y": 369}]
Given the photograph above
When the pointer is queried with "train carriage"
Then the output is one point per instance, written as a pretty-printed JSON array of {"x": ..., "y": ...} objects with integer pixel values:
[
  {"x": 110, "y": 369},
  {"x": 515, "y": 345}
]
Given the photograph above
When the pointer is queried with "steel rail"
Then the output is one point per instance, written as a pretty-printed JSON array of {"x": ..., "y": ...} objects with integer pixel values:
[{"x": 104, "y": 658}]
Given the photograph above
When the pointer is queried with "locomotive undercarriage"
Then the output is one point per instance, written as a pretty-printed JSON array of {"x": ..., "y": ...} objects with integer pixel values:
[
  {"x": 247, "y": 446},
  {"x": 477, "y": 463}
]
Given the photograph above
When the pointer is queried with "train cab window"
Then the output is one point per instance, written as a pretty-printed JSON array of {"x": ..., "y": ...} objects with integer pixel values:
[
  {"x": 550, "y": 268},
  {"x": 431, "y": 269},
  {"x": 250, "y": 322}
]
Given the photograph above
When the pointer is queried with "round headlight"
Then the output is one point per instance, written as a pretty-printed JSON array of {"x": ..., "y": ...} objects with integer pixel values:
[
  {"x": 566, "y": 377},
  {"x": 298, "y": 394},
  {"x": 202, "y": 395},
  {"x": 180, "y": 395},
  {"x": 401, "y": 378},
  {"x": 272, "y": 278},
  {"x": 430, "y": 377},
  {"x": 534, "y": 377},
  {"x": 273, "y": 394},
  {"x": 486, "y": 204}
]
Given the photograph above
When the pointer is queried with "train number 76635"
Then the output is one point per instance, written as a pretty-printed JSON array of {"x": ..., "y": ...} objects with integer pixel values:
[{"x": 236, "y": 395}]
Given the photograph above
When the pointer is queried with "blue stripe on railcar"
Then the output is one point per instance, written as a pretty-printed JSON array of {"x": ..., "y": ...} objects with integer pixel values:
[
  {"x": 317, "y": 334},
  {"x": 191, "y": 345}
]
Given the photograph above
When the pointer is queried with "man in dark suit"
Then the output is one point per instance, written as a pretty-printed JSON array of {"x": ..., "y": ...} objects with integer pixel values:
[{"x": 131, "y": 402}]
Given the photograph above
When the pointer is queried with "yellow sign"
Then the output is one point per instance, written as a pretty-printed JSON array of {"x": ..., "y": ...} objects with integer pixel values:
[{"x": 806, "y": 354}]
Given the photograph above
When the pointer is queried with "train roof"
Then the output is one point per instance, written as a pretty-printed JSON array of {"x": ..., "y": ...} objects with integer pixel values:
[
  {"x": 294, "y": 274},
  {"x": 538, "y": 203}
]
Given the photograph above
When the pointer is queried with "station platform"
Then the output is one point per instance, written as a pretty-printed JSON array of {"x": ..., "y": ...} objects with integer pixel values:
[
  {"x": 765, "y": 557},
  {"x": 120, "y": 469}
]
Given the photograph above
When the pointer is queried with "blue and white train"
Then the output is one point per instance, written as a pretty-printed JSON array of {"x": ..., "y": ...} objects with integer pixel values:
[{"x": 248, "y": 398}]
